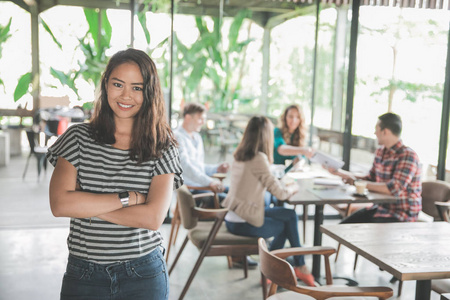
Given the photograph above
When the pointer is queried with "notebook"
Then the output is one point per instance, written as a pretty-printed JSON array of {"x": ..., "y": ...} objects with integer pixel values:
[{"x": 327, "y": 160}]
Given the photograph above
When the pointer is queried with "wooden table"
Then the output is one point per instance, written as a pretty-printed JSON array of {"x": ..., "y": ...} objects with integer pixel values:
[
  {"x": 409, "y": 251},
  {"x": 320, "y": 197}
]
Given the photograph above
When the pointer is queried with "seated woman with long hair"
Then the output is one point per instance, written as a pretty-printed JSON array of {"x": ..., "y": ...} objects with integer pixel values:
[
  {"x": 290, "y": 137},
  {"x": 250, "y": 179}
]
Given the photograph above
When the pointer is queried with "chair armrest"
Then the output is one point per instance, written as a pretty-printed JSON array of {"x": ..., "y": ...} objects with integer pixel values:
[
  {"x": 199, "y": 188},
  {"x": 444, "y": 204},
  {"x": 286, "y": 252},
  {"x": 208, "y": 213},
  {"x": 220, "y": 176},
  {"x": 203, "y": 195},
  {"x": 339, "y": 291}
]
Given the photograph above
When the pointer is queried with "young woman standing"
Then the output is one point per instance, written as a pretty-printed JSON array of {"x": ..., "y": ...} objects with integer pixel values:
[{"x": 114, "y": 178}]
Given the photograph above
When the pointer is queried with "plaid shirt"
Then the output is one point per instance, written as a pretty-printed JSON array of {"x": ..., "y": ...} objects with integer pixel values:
[{"x": 399, "y": 168}]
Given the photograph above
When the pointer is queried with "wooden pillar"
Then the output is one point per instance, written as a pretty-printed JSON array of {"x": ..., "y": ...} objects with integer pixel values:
[
  {"x": 169, "y": 101},
  {"x": 265, "y": 71},
  {"x": 35, "y": 83},
  {"x": 338, "y": 67},
  {"x": 313, "y": 93},
  {"x": 133, "y": 13}
]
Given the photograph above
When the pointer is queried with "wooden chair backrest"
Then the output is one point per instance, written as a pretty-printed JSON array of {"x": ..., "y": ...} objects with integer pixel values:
[
  {"x": 434, "y": 191},
  {"x": 186, "y": 204},
  {"x": 274, "y": 268}
]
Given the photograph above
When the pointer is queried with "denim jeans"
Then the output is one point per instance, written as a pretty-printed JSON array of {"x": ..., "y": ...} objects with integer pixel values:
[
  {"x": 366, "y": 215},
  {"x": 280, "y": 223},
  {"x": 142, "y": 278}
]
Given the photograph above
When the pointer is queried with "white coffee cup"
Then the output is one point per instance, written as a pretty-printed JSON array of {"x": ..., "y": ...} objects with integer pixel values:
[{"x": 360, "y": 186}]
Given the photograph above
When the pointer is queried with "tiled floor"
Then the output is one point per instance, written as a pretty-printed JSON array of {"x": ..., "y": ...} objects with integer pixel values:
[{"x": 34, "y": 253}]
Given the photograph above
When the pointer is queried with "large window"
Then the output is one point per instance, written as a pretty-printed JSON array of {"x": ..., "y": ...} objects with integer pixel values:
[
  {"x": 401, "y": 68},
  {"x": 15, "y": 53}
]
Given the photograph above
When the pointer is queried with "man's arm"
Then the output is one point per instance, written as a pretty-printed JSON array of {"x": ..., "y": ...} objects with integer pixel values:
[
  {"x": 406, "y": 168},
  {"x": 191, "y": 169},
  {"x": 379, "y": 187}
]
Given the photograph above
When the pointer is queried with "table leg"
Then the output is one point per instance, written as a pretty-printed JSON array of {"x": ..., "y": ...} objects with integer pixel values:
[
  {"x": 318, "y": 220},
  {"x": 423, "y": 289}
]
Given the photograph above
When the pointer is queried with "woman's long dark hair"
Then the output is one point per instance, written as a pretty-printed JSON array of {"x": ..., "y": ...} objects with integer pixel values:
[
  {"x": 151, "y": 133},
  {"x": 258, "y": 137},
  {"x": 297, "y": 138}
]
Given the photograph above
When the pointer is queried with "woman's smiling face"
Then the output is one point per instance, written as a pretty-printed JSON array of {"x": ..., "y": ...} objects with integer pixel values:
[
  {"x": 125, "y": 90},
  {"x": 292, "y": 119}
]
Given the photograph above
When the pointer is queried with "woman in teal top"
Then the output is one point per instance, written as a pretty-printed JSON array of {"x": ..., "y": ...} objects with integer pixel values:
[{"x": 289, "y": 140}]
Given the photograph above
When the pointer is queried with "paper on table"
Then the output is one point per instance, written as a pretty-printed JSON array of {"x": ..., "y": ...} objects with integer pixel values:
[
  {"x": 309, "y": 174},
  {"x": 328, "y": 181},
  {"x": 327, "y": 160}
]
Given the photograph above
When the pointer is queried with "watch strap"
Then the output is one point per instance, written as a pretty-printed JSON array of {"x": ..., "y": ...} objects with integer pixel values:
[{"x": 124, "y": 198}]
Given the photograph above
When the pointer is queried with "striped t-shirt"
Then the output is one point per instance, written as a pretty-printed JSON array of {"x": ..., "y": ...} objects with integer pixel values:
[{"x": 105, "y": 169}]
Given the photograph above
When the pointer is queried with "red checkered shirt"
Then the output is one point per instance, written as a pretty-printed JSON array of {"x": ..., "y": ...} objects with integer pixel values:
[{"x": 399, "y": 168}]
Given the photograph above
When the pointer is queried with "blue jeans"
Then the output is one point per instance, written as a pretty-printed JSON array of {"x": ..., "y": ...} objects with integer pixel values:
[
  {"x": 366, "y": 215},
  {"x": 280, "y": 223},
  {"x": 142, "y": 278}
]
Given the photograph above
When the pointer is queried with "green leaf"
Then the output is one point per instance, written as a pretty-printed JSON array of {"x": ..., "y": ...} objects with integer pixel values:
[
  {"x": 4, "y": 31},
  {"x": 143, "y": 20},
  {"x": 51, "y": 33},
  {"x": 63, "y": 78},
  {"x": 236, "y": 26},
  {"x": 4, "y": 34},
  {"x": 92, "y": 19},
  {"x": 22, "y": 86},
  {"x": 106, "y": 30},
  {"x": 196, "y": 74}
]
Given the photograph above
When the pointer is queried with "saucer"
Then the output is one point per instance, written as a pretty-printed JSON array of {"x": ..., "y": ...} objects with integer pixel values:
[{"x": 366, "y": 192}]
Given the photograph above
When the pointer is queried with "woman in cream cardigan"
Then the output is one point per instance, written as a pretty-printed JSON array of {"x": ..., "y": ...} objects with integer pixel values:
[{"x": 250, "y": 179}]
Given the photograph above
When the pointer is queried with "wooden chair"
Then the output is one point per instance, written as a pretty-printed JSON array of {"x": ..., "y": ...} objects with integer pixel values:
[
  {"x": 443, "y": 209},
  {"x": 432, "y": 192},
  {"x": 280, "y": 272},
  {"x": 211, "y": 238},
  {"x": 176, "y": 221}
]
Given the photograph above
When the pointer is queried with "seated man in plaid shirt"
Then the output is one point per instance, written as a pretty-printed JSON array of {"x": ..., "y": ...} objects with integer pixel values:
[{"x": 395, "y": 171}]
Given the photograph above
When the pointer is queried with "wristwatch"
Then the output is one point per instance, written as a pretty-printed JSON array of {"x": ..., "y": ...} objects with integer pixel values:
[{"x": 124, "y": 198}]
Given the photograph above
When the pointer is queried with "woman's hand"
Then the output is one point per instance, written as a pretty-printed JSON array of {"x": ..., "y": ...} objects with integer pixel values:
[
  {"x": 308, "y": 152},
  {"x": 293, "y": 189}
]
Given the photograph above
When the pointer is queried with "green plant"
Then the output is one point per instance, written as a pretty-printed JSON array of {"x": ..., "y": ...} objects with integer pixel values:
[
  {"x": 208, "y": 59},
  {"x": 93, "y": 45},
  {"x": 5, "y": 34}
]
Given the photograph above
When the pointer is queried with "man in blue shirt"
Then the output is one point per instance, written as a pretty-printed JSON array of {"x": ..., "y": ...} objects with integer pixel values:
[{"x": 192, "y": 155}]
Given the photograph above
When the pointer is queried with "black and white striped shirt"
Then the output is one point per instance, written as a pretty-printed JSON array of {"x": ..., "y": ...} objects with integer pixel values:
[{"x": 105, "y": 169}]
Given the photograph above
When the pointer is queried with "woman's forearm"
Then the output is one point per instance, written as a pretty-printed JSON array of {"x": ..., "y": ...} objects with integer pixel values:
[
  {"x": 66, "y": 199},
  {"x": 288, "y": 150},
  {"x": 152, "y": 213},
  {"x": 78, "y": 204},
  {"x": 139, "y": 216}
]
